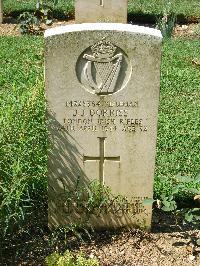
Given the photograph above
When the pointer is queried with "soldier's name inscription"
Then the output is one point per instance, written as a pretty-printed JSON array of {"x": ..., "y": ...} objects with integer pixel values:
[{"x": 106, "y": 116}]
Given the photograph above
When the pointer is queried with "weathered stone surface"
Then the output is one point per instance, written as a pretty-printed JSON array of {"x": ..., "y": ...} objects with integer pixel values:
[
  {"x": 102, "y": 87},
  {"x": 1, "y": 11},
  {"x": 101, "y": 11}
]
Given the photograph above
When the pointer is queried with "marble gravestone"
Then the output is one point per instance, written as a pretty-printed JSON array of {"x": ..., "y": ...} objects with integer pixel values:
[
  {"x": 102, "y": 89},
  {"x": 101, "y": 11}
]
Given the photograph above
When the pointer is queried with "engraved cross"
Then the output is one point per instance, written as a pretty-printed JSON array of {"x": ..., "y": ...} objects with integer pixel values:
[
  {"x": 101, "y": 158},
  {"x": 101, "y": 2}
]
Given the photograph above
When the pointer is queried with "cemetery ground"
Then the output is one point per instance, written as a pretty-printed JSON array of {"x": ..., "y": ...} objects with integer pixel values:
[{"x": 23, "y": 152}]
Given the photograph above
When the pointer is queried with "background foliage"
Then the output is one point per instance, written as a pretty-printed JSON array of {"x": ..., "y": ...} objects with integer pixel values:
[{"x": 135, "y": 7}]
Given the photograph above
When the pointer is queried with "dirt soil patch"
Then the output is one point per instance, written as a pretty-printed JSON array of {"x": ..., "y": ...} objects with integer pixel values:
[
  {"x": 189, "y": 30},
  {"x": 11, "y": 27},
  {"x": 169, "y": 244}
]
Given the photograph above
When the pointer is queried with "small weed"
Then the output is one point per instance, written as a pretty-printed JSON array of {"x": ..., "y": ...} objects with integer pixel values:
[
  {"x": 30, "y": 21},
  {"x": 44, "y": 11},
  {"x": 69, "y": 259},
  {"x": 168, "y": 202},
  {"x": 167, "y": 22}
]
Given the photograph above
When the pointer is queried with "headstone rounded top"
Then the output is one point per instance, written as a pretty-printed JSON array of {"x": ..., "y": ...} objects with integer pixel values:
[{"x": 103, "y": 26}]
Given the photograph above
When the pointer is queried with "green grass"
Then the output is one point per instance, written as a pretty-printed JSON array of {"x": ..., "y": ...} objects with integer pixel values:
[
  {"x": 184, "y": 7},
  {"x": 179, "y": 120},
  {"x": 66, "y": 6},
  {"x": 23, "y": 135},
  {"x": 181, "y": 7}
]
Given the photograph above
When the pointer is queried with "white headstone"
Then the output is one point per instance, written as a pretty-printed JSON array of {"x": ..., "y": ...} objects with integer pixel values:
[
  {"x": 101, "y": 11},
  {"x": 102, "y": 87}
]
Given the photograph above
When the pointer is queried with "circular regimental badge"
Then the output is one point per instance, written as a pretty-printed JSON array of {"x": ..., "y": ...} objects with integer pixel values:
[{"x": 103, "y": 68}]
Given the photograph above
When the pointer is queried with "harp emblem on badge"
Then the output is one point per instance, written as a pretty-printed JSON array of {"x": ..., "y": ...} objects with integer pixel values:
[{"x": 103, "y": 68}]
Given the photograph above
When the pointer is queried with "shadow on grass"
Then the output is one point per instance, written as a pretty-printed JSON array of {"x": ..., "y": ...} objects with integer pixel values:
[
  {"x": 57, "y": 14},
  {"x": 133, "y": 17},
  {"x": 141, "y": 18}
]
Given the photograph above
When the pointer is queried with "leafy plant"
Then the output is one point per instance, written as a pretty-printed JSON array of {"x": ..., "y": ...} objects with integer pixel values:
[
  {"x": 44, "y": 10},
  {"x": 181, "y": 186},
  {"x": 30, "y": 21},
  {"x": 168, "y": 202},
  {"x": 96, "y": 199},
  {"x": 85, "y": 202},
  {"x": 69, "y": 259}
]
